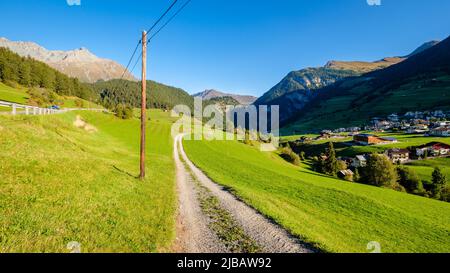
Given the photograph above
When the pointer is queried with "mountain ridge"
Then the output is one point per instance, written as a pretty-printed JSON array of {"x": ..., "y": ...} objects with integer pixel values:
[
  {"x": 419, "y": 83},
  {"x": 213, "y": 94},
  {"x": 299, "y": 88},
  {"x": 78, "y": 63},
  {"x": 312, "y": 78}
]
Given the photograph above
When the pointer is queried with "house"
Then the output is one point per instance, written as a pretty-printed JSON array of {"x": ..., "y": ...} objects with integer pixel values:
[
  {"x": 393, "y": 118},
  {"x": 440, "y": 132},
  {"x": 368, "y": 139},
  {"x": 365, "y": 139},
  {"x": 418, "y": 129},
  {"x": 359, "y": 161},
  {"x": 398, "y": 155},
  {"x": 440, "y": 149},
  {"x": 433, "y": 149},
  {"x": 345, "y": 173},
  {"x": 416, "y": 115}
]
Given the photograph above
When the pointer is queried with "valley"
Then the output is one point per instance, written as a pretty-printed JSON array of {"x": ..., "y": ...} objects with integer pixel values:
[{"x": 140, "y": 152}]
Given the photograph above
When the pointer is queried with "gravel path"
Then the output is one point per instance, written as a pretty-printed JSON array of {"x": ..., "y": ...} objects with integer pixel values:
[
  {"x": 193, "y": 234},
  {"x": 269, "y": 236}
]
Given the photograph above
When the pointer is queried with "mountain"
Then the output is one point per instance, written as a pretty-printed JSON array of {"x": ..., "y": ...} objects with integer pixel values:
[
  {"x": 364, "y": 67},
  {"x": 304, "y": 82},
  {"x": 419, "y": 83},
  {"x": 79, "y": 63},
  {"x": 423, "y": 48},
  {"x": 299, "y": 88},
  {"x": 212, "y": 94},
  {"x": 39, "y": 78}
]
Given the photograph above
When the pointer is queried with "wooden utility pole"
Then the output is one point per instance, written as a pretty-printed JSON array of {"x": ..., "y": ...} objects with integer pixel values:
[{"x": 143, "y": 103}]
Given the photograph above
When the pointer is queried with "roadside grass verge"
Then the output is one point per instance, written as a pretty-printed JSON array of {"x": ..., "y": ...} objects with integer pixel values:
[
  {"x": 332, "y": 215},
  {"x": 59, "y": 184}
]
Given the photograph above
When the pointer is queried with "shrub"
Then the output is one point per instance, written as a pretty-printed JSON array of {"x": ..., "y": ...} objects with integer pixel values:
[
  {"x": 287, "y": 154},
  {"x": 79, "y": 103},
  {"x": 123, "y": 111}
]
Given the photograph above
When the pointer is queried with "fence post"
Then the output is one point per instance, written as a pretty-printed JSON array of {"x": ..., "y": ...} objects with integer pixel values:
[
  {"x": 35, "y": 110},
  {"x": 14, "y": 110},
  {"x": 27, "y": 110}
]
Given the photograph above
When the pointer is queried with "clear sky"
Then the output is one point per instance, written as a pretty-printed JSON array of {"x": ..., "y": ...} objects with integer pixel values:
[{"x": 240, "y": 46}]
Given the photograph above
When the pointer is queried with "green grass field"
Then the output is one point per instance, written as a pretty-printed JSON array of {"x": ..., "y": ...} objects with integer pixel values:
[
  {"x": 59, "y": 183},
  {"x": 12, "y": 94},
  {"x": 334, "y": 215},
  {"x": 424, "y": 168}
]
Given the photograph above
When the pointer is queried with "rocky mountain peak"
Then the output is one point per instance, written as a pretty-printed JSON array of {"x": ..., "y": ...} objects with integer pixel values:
[{"x": 78, "y": 63}]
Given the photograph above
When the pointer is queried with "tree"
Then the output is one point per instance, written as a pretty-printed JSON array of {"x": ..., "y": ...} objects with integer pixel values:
[
  {"x": 445, "y": 195},
  {"x": 381, "y": 172},
  {"x": 25, "y": 74},
  {"x": 341, "y": 165},
  {"x": 409, "y": 179},
  {"x": 439, "y": 182},
  {"x": 331, "y": 166},
  {"x": 123, "y": 111}
]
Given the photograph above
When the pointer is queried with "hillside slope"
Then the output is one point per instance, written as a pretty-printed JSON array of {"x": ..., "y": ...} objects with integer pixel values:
[
  {"x": 79, "y": 63},
  {"x": 60, "y": 183},
  {"x": 159, "y": 96},
  {"x": 333, "y": 215},
  {"x": 422, "y": 82},
  {"x": 310, "y": 79},
  {"x": 299, "y": 88}
]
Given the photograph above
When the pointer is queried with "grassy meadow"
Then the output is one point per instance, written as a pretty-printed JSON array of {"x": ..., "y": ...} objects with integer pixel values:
[
  {"x": 11, "y": 94},
  {"x": 59, "y": 184},
  {"x": 424, "y": 168},
  {"x": 333, "y": 215}
]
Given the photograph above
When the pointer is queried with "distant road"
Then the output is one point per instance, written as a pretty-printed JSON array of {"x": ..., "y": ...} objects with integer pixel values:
[{"x": 33, "y": 110}]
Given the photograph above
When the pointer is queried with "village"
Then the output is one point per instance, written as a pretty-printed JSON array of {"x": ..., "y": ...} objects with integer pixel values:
[{"x": 381, "y": 132}]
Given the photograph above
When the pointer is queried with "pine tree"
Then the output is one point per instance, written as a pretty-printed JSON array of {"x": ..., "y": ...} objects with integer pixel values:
[
  {"x": 331, "y": 164},
  {"x": 439, "y": 182}
]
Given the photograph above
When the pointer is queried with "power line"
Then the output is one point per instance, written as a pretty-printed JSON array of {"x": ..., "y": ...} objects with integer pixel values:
[
  {"x": 131, "y": 59},
  {"x": 162, "y": 16},
  {"x": 151, "y": 38},
  {"x": 137, "y": 61},
  {"x": 159, "y": 30},
  {"x": 168, "y": 21}
]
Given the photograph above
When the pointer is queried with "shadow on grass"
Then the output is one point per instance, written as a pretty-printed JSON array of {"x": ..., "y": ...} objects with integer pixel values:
[{"x": 125, "y": 172}]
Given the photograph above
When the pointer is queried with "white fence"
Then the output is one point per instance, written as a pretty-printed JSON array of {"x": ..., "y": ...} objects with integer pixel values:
[{"x": 20, "y": 109}]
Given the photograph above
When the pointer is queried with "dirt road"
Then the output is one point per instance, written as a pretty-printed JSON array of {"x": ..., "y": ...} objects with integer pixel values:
[{"x": 212, "y": 220}]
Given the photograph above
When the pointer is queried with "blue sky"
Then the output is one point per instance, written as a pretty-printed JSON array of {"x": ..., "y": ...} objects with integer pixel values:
[{"x": 240, "y": 46}]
